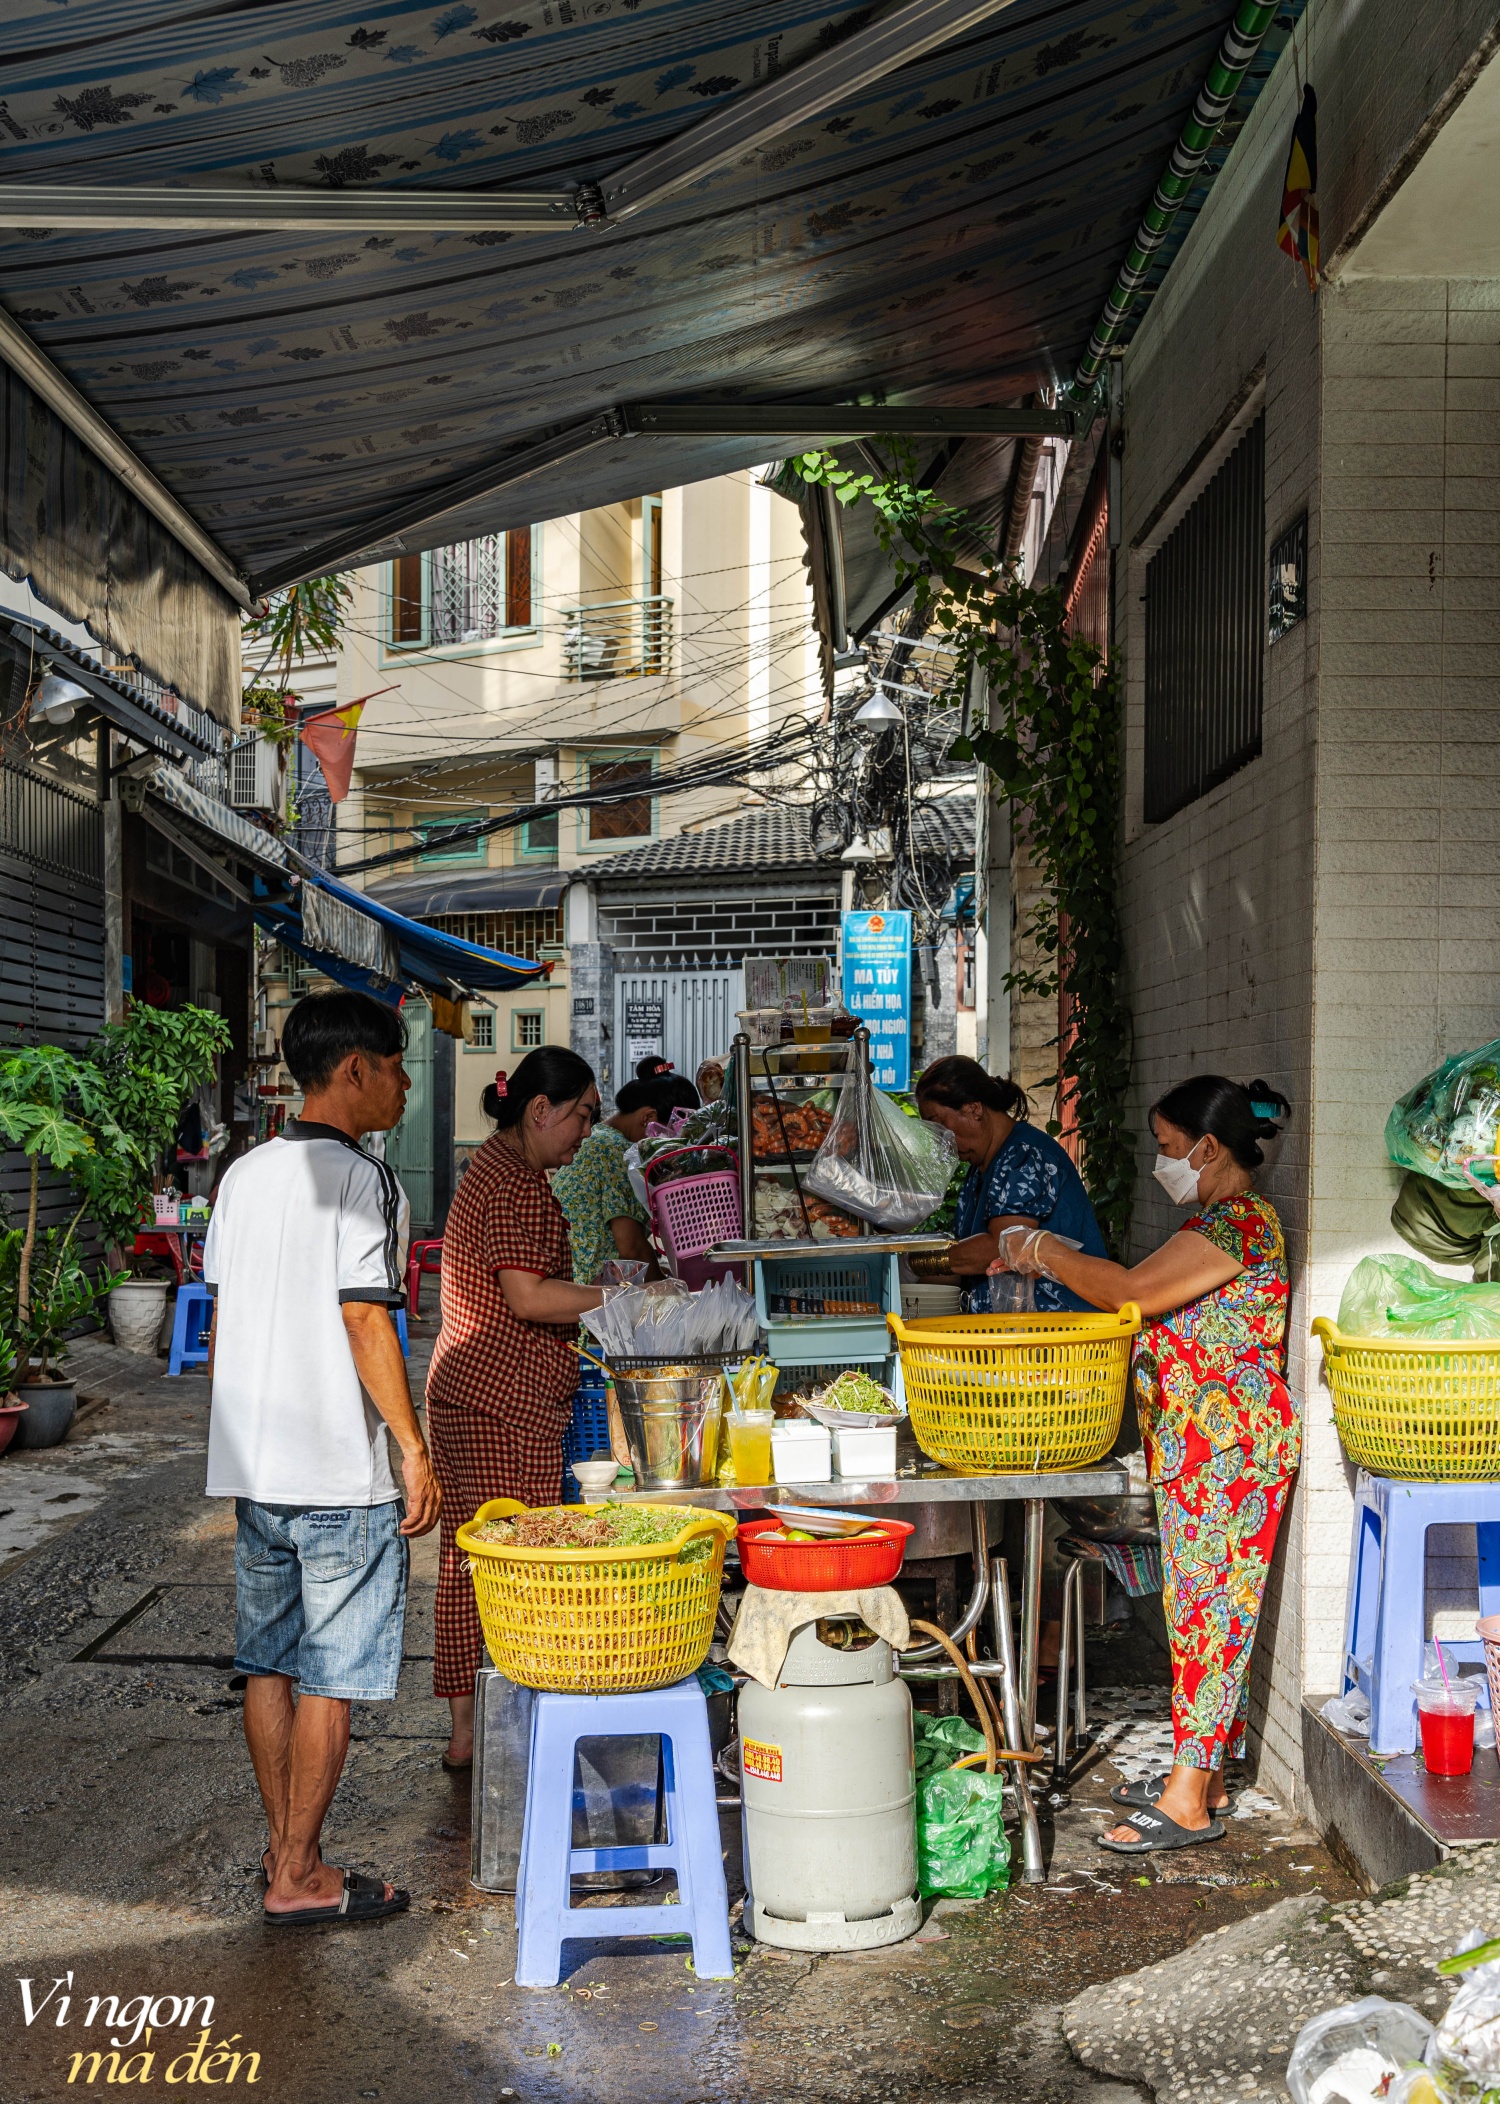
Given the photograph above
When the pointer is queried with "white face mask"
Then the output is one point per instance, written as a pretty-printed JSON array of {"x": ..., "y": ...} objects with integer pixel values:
[{"x": 1177, "y": 1176}]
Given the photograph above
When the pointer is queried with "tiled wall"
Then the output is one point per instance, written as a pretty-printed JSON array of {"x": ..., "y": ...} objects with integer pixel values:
[{"x": 1329, "y": 917}]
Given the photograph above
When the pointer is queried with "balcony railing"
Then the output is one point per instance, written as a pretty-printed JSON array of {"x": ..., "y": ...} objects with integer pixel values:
[{"x": 618, "y": 639}]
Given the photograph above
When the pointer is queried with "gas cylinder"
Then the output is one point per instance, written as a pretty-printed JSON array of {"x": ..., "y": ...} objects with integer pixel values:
[{"x": 830, "y": 1795}]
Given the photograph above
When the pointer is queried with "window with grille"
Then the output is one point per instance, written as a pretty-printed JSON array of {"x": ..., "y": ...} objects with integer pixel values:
[
  {"x": 482, "y": 1023},
  {"x": 630, "y": 818},
  {"x": 539, "y": 838},
  {"x": 471, "y": 592},
  {"x": 521, "y": 934},
  {"x": 526, "y": 1029},
  {"x": 1205, "y": 636}
]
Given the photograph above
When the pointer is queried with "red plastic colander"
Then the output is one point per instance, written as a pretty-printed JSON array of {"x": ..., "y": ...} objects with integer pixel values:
[{"x": 826, "y": 1566}]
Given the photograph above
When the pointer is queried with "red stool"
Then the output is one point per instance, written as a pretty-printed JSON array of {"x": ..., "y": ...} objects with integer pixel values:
[
  {"x": 162, "y": 1245},
  {"x": 422, "y": 1257}
]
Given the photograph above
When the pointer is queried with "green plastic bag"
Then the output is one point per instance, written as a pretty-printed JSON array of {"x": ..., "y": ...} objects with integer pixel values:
[
  {"x": 1391, "y": 1296},
  {"x": 940, "y": 1741},
  {"x": 1450, "y": 1118},
  {"x": 962, "y": 1852}
]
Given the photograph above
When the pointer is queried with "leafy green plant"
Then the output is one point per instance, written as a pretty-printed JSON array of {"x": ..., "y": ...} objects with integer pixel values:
[
  {"x": 60, "y": 1293},
  {"x": 304, "y": 618},
  {"x": 1055, "y": 750},
  {"x": 148, "y": 1067},
  {"x": 54, "y": 1107}
]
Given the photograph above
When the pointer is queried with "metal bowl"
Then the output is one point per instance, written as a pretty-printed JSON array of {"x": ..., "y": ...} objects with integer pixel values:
[{"x": 1123, "y": 1519}]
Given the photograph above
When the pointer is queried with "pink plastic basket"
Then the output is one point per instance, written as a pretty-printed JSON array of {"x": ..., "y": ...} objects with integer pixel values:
[{"x": 691, "y": 1215}]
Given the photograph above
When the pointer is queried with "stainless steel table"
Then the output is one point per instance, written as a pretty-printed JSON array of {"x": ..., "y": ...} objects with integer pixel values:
[{"x": 923, "y": 1484}]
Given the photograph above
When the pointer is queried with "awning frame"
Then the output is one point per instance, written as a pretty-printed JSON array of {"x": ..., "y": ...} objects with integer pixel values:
[{"x": 125, "y": 707}]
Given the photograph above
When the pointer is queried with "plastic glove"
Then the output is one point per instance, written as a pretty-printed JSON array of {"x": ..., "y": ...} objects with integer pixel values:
[{"x": 1024, "y": 1250}]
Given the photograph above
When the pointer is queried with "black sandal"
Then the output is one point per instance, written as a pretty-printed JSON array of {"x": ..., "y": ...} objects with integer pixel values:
[
  {"x": 1149, "y": 1788},
  {"x": 1159, "y": 1833},
  {"x": 362, "y": 1899}
]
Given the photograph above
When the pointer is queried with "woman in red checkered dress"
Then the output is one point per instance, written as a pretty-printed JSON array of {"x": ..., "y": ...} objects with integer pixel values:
[{"x": 504, "y": 1370}]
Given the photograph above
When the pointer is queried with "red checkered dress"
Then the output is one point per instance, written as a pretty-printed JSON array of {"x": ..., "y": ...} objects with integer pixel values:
[{"x": 500, "y": 1390}]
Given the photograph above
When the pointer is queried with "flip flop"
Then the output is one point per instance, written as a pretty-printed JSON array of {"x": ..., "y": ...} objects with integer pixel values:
[
  {"x": 265, "y": 1875},
  {"x": 362, "y": 1899},
  {"x": 1150, "y": 1787},
  {"x": 1158, "y": 1833}
]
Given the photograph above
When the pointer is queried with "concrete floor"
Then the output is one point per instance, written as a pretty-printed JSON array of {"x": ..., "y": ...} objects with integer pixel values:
[{"x": 130, "y": 1831}]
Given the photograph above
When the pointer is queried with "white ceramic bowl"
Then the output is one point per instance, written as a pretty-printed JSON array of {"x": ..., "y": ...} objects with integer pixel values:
[{"x": 595, "y": 1478}]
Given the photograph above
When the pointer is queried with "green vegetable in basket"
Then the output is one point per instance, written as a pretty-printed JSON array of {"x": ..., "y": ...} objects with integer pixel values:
[{"x": 855, "y": 1391}]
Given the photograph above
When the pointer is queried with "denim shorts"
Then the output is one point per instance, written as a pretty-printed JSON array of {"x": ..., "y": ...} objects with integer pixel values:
[{"x": 321, "y": 1597}]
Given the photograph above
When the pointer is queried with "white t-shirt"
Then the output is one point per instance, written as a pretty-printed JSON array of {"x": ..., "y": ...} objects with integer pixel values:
[{"x": 300, "y": 1225}]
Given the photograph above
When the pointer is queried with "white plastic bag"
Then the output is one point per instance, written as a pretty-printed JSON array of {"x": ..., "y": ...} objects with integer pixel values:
[
  {"x": 1349, "y": 1713},
  {"x": 878, "y": 1163},
  {"x": 1352, "y": 2054}
]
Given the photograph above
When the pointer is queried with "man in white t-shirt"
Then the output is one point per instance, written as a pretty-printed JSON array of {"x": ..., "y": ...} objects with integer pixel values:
[{"x": 305, "y": 1253}]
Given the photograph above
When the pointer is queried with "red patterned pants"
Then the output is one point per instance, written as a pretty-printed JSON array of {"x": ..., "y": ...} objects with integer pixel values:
[
  {"x": 477, "y": 1456},
  {"x": 1218, "y": 1529}
]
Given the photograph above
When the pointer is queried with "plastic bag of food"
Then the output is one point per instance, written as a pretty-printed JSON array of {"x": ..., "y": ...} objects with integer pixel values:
[
  {"x": 1451, "y": 1117},
  {"x": 1392, "y": 1296},
  {"x": 1464, "y": 2051},
  {"x": 962, "y": 1852},
  {"x": 1352, "y": 2054},
  {"x": 879, "y": 1164}
]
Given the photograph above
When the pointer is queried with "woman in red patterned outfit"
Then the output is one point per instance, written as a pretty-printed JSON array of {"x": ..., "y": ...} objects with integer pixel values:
[
  {"x": 1221, "y": 1428},
  {"x": 504, "y": 1371}
]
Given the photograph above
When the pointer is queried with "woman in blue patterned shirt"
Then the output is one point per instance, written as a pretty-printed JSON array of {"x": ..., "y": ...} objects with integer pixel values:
[{"x": 1017, "y": 1175}]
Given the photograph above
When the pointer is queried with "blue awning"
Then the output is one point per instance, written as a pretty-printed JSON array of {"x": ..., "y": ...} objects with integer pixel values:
[{"x": 400, "y": 952}]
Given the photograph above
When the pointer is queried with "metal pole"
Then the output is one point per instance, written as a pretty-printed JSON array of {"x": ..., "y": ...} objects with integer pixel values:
[
  {"x": 1033, "y": 1869},
  {"x": 979, "y": 1594},
  {"x": 1064, "y": 1660},
  {"x": 1031, "y": 1616},
  {"x": 740, "y": 1051}
]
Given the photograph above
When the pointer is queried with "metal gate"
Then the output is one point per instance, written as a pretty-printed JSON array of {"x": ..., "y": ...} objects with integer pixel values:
[
  {"x": 411, "y": 1149},
  {"x": 695, "y": 1013}
]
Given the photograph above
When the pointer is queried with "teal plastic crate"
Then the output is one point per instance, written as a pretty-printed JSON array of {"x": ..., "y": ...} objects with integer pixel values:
[{"x": 829, "y": 1309}]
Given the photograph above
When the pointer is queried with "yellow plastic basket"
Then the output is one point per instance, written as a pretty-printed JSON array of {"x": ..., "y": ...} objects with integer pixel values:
[
  {"x": 1009, "y": 1395},
  {"x": 1428, "y": 1412},
  {"x": 598, "y": 1621}
]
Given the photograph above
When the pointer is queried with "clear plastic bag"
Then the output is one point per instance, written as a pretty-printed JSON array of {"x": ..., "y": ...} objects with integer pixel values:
[
  {"x": 1451, "y": 1117},
  {"x": 1389, "y": 1296},
  {"x": 878, "y": 1163},
  {"x": 1352, "y": 2054},
  {"x": 1463, "y": 2053},
  {"x": 666, "y": 1320},
  {"x": 1011, "y": 1294}
]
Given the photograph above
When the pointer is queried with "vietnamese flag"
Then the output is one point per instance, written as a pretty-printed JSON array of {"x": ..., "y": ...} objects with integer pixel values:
[{"x": 329, "y": 737}]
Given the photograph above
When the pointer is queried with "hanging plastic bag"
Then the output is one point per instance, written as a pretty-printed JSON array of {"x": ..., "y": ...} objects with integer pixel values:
[
  {"x": 1450, "y": 1118},
  {"x": 1352, "y": 2054},
  {"x": 1391, "y": 1296},
  {"x": 1011, "y": 1294},
  {"x": 878, "y": 1163},
  {"x": 962, "y": 1852}
]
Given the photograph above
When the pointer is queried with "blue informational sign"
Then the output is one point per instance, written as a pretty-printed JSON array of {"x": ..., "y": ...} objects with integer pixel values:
[{"x": 877, "y": 989}]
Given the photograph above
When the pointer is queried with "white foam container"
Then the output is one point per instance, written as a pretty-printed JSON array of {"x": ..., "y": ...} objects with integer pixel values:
[
  {"x": 865, "y": 1450},
  {"x": 802, "y": 1452}
]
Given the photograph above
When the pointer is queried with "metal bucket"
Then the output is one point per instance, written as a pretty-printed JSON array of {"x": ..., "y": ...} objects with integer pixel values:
[{"x": 672, "y": 1426}]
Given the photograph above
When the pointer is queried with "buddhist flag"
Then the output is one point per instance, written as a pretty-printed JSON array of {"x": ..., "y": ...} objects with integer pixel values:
[{"x": 1298, "y": 232}]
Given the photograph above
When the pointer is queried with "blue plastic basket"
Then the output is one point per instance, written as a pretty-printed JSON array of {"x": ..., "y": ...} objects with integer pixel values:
[
  {"x": 827, "y": 1309},
  {"x": 588, "y": 1430}
]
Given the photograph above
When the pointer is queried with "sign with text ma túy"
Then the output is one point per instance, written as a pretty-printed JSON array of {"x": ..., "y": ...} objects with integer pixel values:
[{"x": 877, "y": 989}]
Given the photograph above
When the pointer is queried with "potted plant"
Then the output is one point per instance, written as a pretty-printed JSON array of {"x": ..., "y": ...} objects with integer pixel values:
[
  {"x": 54, "y": 1108},
  {"x": 60, "y": 1293},
  {"x": 148, "y": 1068},
  {"x": 12, "y": 1409}
]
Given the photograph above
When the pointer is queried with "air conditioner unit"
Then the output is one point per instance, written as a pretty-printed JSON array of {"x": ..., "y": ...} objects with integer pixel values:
[
  {"x": 257, "y": 778},
  {"x": 548, "y": 779}
]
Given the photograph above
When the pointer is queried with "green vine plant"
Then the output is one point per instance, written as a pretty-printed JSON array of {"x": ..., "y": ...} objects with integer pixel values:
[{"x": 1053, "y": 746}]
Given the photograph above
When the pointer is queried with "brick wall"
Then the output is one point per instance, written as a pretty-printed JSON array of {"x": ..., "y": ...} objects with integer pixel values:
[
  {"x": 1325, "y": 918},
  {"x": 683, "y": 926}
]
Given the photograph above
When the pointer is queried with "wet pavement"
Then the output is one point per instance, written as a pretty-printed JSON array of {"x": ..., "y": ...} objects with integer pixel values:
[{"x": 130, "y": 1831}]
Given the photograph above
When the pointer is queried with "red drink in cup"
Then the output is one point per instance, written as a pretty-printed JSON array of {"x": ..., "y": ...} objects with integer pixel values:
[{"x": 1446, "y": 1715}]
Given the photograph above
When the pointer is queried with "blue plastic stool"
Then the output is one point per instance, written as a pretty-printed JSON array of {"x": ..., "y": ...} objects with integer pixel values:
[
  {"x": 191, "y": 1321},
  {"x": 545, "y": 1919},
  {"x": 400, "y": 1315},
  {"x": 1386, "y": 1621}
]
